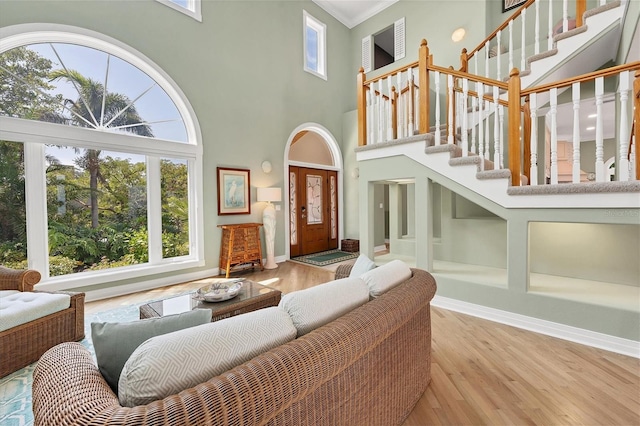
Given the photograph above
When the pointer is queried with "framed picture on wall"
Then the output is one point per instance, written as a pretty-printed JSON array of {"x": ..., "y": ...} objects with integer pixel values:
[
  {"x": 233, "y": 191},
  {"x": 511, "y": 4}
]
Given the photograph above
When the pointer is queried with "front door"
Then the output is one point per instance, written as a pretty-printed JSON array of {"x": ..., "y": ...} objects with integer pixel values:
[{"x": 314, "y": 210}]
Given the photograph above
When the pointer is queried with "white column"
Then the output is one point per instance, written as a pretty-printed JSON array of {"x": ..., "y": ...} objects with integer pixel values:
[
  {"x": 575, "y": 96},
  {"x": 554, "y": 135},
  {"x": 623, "y": 170}
]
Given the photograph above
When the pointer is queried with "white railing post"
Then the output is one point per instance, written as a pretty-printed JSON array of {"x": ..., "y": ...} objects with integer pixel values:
[
  {"x": 480, "y": 122},
  {"x": 523, "y": 60},
  {"x": 475, "y": 64},
  {"x": 381, "y": 113},
  {"x": 400, "y": 108},
  {"x": 369, "y": 114},
  {"x": 416, "y": 103},
  {"x": 575, "y": 97},
  {"x": 554, "y": 135},
  {"x": 390, "y": 109},
  {"x": 565, "y": 16},
  {"x": 510, "y": 46},
  {"x": 465, "y": 117},
  {"x": 501, "y": 120},
  {"x": 536, "y": 47},
  {"x": 632, "y": 160},
  {"x": 487, "y": 113},
  {"x": 496, "y": 130},
  {"x": 550, "y": 32},
  {"x": 438, "y": 137},
  {"x": 411, "y": 102},
  {"x": 474, "y": 123},
  {"x": 452, "y": 102},
  {"x": 600, "y": 177},
  {"x": 533, "y": 169},
  {"x": 486, "y": 59},
  {"x": 623, "y": 169},
  {"x": 498, "y": 55}
]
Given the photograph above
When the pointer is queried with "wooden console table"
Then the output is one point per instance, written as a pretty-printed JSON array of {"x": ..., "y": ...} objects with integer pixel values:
[{"x": 240, "y": 245}]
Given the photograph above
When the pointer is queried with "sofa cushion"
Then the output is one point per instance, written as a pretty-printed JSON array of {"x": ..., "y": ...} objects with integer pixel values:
[
  {"x": 319, "y": 305},
  {"x": 21, "y": 307},
  {"x": 362, "y": 265},
  {"x": 115, "y": 342},
  {"x": 385, "y": 277},
  {"x": 165, "y": 365}
]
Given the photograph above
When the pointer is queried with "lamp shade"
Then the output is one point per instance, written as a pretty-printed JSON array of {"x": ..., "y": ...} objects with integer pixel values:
[{"x": 269, "y": 194}]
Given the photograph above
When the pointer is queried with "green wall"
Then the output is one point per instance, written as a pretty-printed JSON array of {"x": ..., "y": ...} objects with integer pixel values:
[{"x": 241, "y": 69}]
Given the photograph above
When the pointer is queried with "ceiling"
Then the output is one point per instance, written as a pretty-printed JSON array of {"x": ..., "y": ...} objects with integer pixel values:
[{"x": 353, "y": 12}]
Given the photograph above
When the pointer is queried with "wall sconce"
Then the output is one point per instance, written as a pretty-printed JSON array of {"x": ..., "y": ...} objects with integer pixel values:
[
  {"x": 355, "y": 173},
  {"x": 458, "y": 34},
  {"x": 266, "y": 166},
  {"x": 269, "y": 195}
]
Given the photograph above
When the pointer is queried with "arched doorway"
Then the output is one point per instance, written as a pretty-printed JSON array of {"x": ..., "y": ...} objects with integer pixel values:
[{"x": 313, "y": 161}]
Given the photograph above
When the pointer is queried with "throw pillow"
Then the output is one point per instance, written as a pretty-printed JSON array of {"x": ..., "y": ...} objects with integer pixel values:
[
  {"x": 115, "y": 342},
  {"x": 385, "y": 277},
  {"x": 362, "y": 265},
  {"x": 319, "y": 305},
  {"x": 168, "y": 364}
]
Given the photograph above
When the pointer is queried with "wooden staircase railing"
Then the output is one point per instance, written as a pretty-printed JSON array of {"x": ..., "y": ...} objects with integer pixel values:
[{"x": 473, "y": 100}]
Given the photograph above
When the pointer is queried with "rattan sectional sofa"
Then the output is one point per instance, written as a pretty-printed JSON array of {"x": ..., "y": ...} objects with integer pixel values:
[
  {"x": 368, "y": 367},
  {"x": 24, "y": 344}
]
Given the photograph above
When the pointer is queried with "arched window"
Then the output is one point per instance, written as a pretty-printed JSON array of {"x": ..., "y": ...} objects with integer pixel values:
[{"x": 100, "y": 160}]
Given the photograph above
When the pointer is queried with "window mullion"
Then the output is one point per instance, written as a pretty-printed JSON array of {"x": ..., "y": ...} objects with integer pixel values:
[
  {"x": 36, "y": 208},
  {"x": 196, "y": 217},
  {"x": 154, "y": 209}
]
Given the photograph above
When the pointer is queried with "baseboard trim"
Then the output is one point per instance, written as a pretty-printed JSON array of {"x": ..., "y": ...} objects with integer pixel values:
[
  {"x": 561, "y": 331},
  {"x": 377, "y": 249},
  {"x": 105, "y": 293}
]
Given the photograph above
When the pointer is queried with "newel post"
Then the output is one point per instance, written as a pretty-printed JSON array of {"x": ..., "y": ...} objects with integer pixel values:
[
  {"x": 581, "y": 7},
  {"x": 636, "y": 119},
  {"x": 362, "y": 108},
  {"x": 464, "y": 61},
  {"x": 423, "y": 69},
  {"x": 515, "y": 164}
]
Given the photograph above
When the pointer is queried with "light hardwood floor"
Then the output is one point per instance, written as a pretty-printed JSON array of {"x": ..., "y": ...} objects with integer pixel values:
[{"x": 484, "y": 373}]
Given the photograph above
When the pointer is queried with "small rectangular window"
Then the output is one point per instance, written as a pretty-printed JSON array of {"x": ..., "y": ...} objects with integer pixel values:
[
  {"x": 315, "y": 46},
  {"x": 188, "y": 7}
]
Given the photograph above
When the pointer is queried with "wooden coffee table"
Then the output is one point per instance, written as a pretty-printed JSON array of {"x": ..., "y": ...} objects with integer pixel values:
[{"x": 252, "y": 296}]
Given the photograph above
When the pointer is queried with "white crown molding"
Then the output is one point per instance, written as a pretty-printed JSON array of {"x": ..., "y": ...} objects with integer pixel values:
[
  {"x": 354, "y": 18},
  {"x": 561, "y": 331}
]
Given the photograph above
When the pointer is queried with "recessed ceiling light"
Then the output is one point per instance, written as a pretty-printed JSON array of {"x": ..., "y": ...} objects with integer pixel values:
[
  {"x": 591, "y": 128},
  {"x": 458, "y": 35}
]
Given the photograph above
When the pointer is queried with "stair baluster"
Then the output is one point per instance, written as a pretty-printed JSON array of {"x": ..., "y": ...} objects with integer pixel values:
[
  {"x": 523, "y": 56},
  {"x": 575, "y": 97},
  {"x": 390, "y": 109},
  {"x": 501, "y": 120},
  {"x": 600, "y": 177},
  {"x": 565, "y": 16},
  {"x": 623, "y": 169},
  {"x": 487, "y": 112},
  {"x": 536, "y": 47},
  {"x": 496, "y": 131},
  {"x": 554, "y": 135},
  {"x": 474, "y": 123},
  {"x": 486, "y": 59},
  {"x": 465, "y": 117},
  {"x": 438, "y": 137},
  {"x": 498, "y": 55},
  {"x": 510, "y": 45},
  {"x": 550, "y": 31},
  {"x": 450, "y": 107},
  {"x": 533, "y": 173}
]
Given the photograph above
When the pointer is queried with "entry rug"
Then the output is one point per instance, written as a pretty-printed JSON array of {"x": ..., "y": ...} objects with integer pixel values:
[
  {"x": 326, "y": 257},
  {"x": 15, "y": 389}
]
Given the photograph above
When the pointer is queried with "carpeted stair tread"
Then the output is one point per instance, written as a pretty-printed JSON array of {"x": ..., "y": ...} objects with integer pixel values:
[
  {"x": 575, "y": 188},
  {"x": 394, "y": 142}
]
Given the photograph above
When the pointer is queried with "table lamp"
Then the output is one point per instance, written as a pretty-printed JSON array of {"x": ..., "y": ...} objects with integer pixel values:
[{"x": 269, "y": 195}]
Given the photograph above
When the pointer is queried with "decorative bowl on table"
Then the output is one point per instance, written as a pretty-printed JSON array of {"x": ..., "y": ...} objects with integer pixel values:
[{"x": 219, "y": 292}]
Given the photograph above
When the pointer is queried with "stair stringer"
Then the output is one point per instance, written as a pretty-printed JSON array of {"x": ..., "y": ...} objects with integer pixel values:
[{"x": 467, "y": 179}]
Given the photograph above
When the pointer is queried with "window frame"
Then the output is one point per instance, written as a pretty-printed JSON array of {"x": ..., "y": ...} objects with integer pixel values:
[
  {"x": 308, "y": 21},
  {"x": 193, "y": 10},
  {"x": 35, "y": 134}
]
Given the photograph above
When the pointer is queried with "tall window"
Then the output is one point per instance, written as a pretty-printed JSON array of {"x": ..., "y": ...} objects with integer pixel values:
[
  {"x": 99, "y": 162},
  {"x": 315, "y": 46},
  {"x": 188, "y": 7}
]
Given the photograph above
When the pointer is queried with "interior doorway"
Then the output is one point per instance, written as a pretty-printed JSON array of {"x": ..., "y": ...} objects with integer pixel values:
[{"x": 315, "y": 182}]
